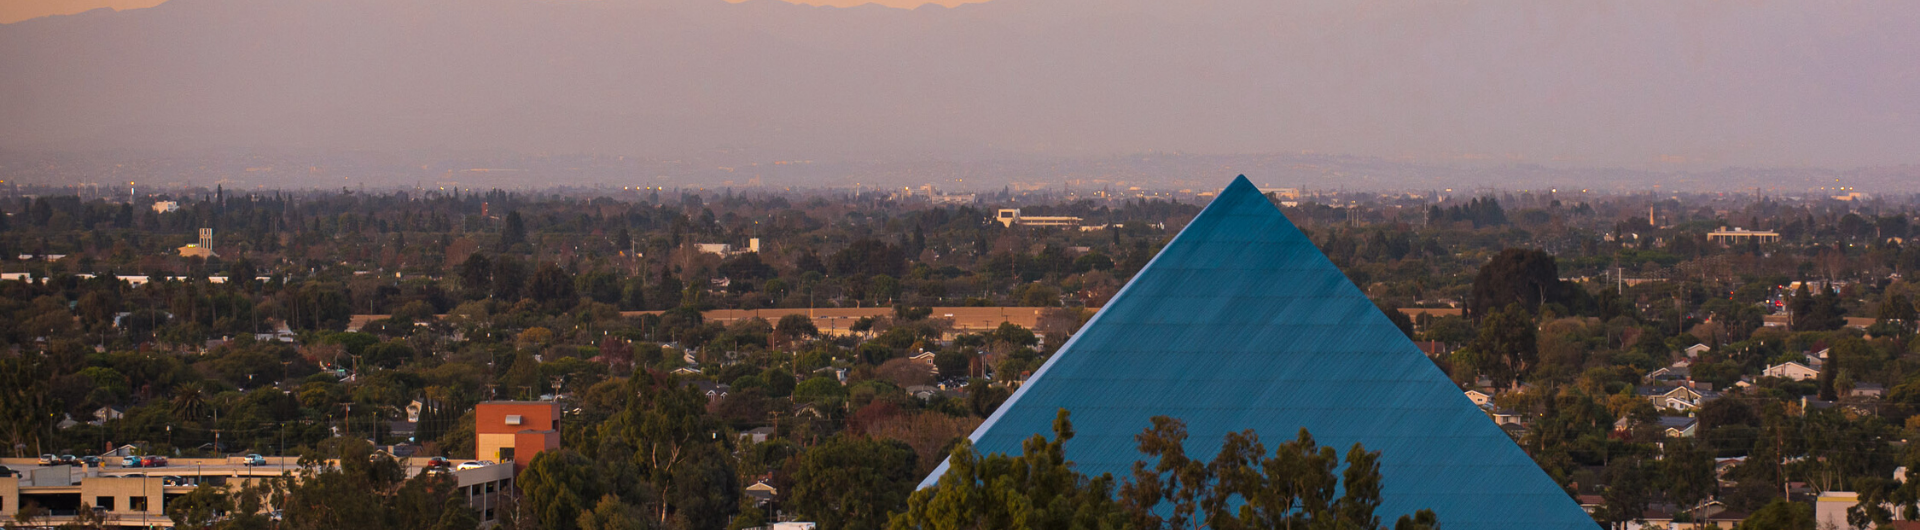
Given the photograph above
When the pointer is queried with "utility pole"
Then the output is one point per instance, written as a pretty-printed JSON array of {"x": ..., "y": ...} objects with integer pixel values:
[{"x": 349, "y": 427}]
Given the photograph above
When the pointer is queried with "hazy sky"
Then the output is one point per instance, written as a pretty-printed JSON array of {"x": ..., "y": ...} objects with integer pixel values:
[
  {"x": 1649, "y": 84},
  {"x": 18, "y": 10}
]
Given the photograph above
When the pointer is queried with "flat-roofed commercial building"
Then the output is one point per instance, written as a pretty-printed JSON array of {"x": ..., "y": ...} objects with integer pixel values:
[
  {"x": 1740, "y": 236},
  {"x": 1012, "y": 216},
  {"x": 515, "y": 430},
  {"x": 138, "y": 497}
]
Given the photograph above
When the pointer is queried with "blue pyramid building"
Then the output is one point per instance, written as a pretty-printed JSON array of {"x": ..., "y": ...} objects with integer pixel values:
[{"x": 1242, "y": 323}]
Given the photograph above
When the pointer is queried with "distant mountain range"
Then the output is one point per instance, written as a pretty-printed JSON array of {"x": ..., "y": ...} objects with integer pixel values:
[{"x": 1644, "y": 84}]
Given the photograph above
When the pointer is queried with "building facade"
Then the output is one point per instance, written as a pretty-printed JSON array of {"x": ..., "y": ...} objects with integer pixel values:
[{"x": 514, "y": 431}]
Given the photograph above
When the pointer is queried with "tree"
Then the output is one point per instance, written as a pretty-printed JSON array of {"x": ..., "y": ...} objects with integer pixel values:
[
  {"x": 342, "y": 484},
  {"x": 868, "y": 257},
  {"x": 1689, "y": 474},
  {"x": 476, "y": 275},
  {"x": 189, "y": 402},
  {"x": 1898, "y": 313},
  {"x": 746, "y": 267},
  {"x": 1780, "y": 514},
  {"x": 819, "y": 389},
  {"x": 1816, "y": 311},
  {"x": 794, "y": 326},
  {"x": 984, "y": 398},
  {"x": 1629, "y": 491},
  {"x": 609, "y": 514},
  {"x": 199, "y": 509},
  {"x": 1529, "y": 277},
  {"x": 1399, "y": 319},
  {"x": 1037, "y": 489},
  {"x": 552, "y": 287},
  {"x": 952, "y": 364},
  {"x": 509, "y": 278},
  {"x": 665, "y": 424},
  {"x": 558, "y": 486},
  {"x": 1506, "y": 344},
  {"x": 1010, "y": 335},
  {"x": 513, "y": 231},
  {"x": 1295, "y": 488},
  {"x": 853, "y": 483},
  {"x": 1301, "y": 486},
  {"x": 25, "y": 407}
]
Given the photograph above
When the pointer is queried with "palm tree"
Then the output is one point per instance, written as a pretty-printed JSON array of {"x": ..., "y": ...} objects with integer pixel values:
[{"x": 189, "y": 402}]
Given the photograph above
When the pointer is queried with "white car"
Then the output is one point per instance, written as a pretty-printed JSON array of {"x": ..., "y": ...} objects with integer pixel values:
[{"x": 477, "y": 464}]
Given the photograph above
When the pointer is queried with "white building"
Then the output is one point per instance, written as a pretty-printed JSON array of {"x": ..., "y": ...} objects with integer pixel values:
[
  {"x": 1741, "y": 235},
  {"x": 1011, "y": 216},
  {"x": 1791, "y": 370},
  {"x": 723, "y": 249},
  {"x": 165, "y": 206}
]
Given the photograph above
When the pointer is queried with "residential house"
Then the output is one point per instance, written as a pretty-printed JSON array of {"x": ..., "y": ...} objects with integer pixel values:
[
  {"x": 103, "y": 414},
  {"x": 1479, "y": 398},
  {"x": 923, "y": 392},
  {"x": 1433, "y": 348},
  {"x": 1679, "y": 372},
  {"x": 1505, "y": 417},
  {"x": 1867, "y": 390},
  {"x": 926, "y": 358},
  {"x": 1591, "y": 503},
  {"x": 713, "y": 391},
  {"x": 762, "y": 493},
  {"x": 1791, "y": 370},
  {"x": 757, "y": 434},
  {"x": 1818, "y": 360},
  {"x": 1678, "y": 426},
  {"x": 1694, "y": 351},
  {"x": 1685, "y": 397}
]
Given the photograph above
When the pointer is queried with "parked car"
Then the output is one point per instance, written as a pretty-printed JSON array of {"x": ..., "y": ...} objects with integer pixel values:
[
  {"x": 90, "y": 461},
  {"x": 132, "y": 461},
  {"x": 153, "y": 461},
  {"x": 48, "y": 460},
  {"x": 6, "y": 472},
  {"x": 70, "y": 460},
  {"x": 439, "y": 462},
  {"x": 477, "y": 464},
  {"x": 254, "y": 460}
]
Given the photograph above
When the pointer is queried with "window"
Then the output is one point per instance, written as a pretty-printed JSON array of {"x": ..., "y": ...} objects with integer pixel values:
[
  {"x": 490, "y": 486},
  {"x": 104, "y": 502},
  {"x": 138, "y": 504},
  {"x": 513, "y": 419},
  {"x": 489, "y": 515},
  {"x": 506, "y": 483},
  {"x": 506, "y": 454}
]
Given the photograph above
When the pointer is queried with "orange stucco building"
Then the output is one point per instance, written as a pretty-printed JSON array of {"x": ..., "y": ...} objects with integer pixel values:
[{"x": 515, "y": 430}]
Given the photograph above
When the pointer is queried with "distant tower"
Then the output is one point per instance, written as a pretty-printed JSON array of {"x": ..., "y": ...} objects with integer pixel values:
[
  {"x": 1650, "y": 222},
  {"x": 203, "y": 249}
]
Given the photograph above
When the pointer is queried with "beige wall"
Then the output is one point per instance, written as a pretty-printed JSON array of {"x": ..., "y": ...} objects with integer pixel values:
[
  {"x": 487, "y": 445},
  {"x": 124, "y": 490},
  {"x": 9, "y": 497}
]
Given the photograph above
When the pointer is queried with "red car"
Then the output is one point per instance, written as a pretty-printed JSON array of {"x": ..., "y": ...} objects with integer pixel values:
[{"x": 153, "y": 461}]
